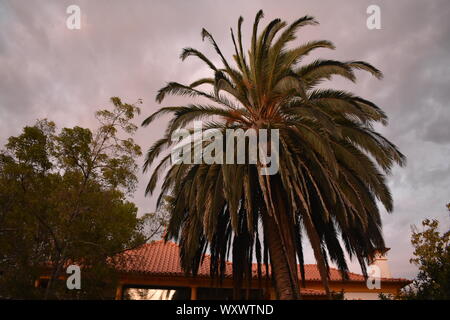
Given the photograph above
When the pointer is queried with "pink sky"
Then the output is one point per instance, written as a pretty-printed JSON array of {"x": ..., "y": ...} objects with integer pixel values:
[{"x": 131, "y": 49}]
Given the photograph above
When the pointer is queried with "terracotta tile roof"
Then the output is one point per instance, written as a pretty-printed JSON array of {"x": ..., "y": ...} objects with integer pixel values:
[{"x": 161, "y": 258}]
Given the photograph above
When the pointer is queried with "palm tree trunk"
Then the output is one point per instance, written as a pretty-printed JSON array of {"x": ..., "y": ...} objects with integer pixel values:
[
  {"x": 279, "y": 232},
  {"x": 315, "y": 244}
]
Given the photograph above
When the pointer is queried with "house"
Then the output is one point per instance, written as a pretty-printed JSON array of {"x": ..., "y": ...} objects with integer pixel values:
[{"x": 153, "y": 271}]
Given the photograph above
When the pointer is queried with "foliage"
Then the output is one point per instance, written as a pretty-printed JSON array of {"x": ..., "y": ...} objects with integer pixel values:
[
  {"x": 387, "y": 296},
  {"x": 338, "y": 295},
  {"x": 432, "y": 256},
  {"x": 63, "y": 200},
  {"x": 332, "y": 161}
]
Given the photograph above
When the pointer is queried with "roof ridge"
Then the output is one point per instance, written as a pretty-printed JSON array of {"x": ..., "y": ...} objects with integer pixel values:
[{"x": 161, "y": 241}]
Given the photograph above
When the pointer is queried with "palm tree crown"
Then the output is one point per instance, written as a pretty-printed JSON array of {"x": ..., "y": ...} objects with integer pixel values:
[{"x": 332, "y": 163}]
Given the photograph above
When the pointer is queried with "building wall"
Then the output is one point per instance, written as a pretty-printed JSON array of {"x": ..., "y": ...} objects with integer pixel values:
[
  {"x": 361, "y": 295},
  {"x": 352, "y": 290}
]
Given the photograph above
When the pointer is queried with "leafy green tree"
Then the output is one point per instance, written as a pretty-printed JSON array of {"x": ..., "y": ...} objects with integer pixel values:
[
  {"x": 63, "y": 200},
  {"x": 332, "y": 163},
  {"x": 432, "y": 256}
]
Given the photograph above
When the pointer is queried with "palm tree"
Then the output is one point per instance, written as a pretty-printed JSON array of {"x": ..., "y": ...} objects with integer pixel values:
[{"x": 332, "y": 163}]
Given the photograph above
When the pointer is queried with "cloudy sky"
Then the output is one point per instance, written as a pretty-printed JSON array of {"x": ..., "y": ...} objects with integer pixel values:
[{"x": 130, "y": 49}]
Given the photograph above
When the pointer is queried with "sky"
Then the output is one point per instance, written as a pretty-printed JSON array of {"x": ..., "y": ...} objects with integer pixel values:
[{"x": 131, "y": 49}]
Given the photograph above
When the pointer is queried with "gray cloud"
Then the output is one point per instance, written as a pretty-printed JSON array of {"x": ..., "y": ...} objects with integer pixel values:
[{"x": 131, "y": 49}]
